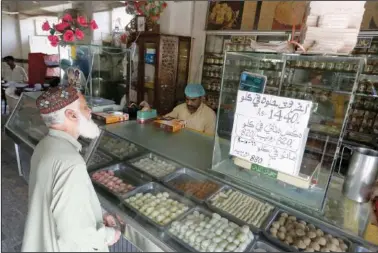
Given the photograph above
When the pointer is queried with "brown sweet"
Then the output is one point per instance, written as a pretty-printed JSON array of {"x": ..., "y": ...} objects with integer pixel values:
[{"x": 198, "y": 189}]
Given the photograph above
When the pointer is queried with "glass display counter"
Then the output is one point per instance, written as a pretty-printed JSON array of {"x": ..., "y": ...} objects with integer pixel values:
[
  {"x": 129, "y": 144},
  {"x": 329, "y": 82},
  {"x": 106, "y": 70}
]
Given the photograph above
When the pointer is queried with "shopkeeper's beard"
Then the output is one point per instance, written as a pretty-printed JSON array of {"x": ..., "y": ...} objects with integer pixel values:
[{"x": 87, "y": 127}]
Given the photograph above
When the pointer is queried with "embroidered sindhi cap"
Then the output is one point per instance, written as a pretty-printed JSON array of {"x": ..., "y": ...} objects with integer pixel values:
[
  {"x": 56, "y": 98},
  {"x": 194, "y": 90}
]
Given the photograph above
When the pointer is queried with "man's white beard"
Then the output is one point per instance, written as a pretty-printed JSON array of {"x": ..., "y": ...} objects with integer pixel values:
[{"x": 87, "y": 127}]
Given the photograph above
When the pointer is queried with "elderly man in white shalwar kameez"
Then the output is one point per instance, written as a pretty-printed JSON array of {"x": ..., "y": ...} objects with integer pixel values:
[{"x": 64, "y": 211}]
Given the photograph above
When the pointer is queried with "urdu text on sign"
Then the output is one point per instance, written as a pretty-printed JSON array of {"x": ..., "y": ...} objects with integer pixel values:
[{"x": 270, "y": 131}]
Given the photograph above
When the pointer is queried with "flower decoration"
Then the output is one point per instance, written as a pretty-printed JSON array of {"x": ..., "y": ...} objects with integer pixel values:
[
  {"x": 93, "y": 25},
  {"x": 46, "y": 26},
  {"x": 82, "y": 21},
  {"x": 148, "y": 8},
  {"x": 79, "y": 34},
  {"x": 68, "y": 30}
]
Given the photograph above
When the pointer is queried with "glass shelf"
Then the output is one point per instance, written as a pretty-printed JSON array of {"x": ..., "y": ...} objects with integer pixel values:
[{"x": 301, "y": 77}]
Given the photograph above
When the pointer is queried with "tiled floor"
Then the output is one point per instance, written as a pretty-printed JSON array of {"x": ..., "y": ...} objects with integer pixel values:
[{"x": 14, "y": 191}]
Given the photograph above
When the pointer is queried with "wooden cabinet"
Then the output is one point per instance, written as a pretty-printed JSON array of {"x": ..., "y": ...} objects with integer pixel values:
[{"x": 162, "y": 65}]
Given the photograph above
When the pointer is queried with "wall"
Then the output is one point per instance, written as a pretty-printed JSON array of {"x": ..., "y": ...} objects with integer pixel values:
[
  {"x": 104, "y": 27},
  {"x": 198, "y": 42},
  {"x": 177, "y": 18},
  {"x": 10, "y": 40}
]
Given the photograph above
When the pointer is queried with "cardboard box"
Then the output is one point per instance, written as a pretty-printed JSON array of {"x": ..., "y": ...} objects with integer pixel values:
[
  {"x": 146, "y": 116},
  {"x": 170, "y": 124},
  {"x": 111, "y": 117}
]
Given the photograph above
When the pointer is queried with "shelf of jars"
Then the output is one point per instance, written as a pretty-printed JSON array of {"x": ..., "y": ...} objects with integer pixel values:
[
  {"x": 327, "y": 81},
  {"x": 363, "y": 119}
]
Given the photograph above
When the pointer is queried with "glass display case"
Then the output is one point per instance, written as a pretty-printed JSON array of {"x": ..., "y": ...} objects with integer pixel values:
[
  {"x": 135, "y": 153},
  {"x": 329, "y": 82},
  {"x": 216, "y": 46},
  {"x": 27, "y": 128},
  {"x": 105, "y": 70}
]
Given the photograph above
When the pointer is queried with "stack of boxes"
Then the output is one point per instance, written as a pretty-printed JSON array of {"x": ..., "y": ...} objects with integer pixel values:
[{"x": 332, "y": 27}]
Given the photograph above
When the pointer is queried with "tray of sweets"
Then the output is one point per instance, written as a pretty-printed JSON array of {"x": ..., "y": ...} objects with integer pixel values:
[
  {"x": 99, "y": 159},
  {"x": 154, "y": 165},
  {"x": 239, "y": 206},
  {"x": 201, "y": 230},
  {"x": 118, "y": 179},
  {"x": 192, "y": 184},
  {"x": 293, "y": 233},
  {"x": 119, "y": 148},
  {"x": 157, "y": 204}
]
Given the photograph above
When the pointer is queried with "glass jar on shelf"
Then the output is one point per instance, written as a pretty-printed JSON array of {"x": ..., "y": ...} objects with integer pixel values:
[
  {"x": 268, "y": 65},
  {"x": 330, "y": 65},
  {"x": 322, "y": 65},
  {"x": 314, "y": 65},
  {"x": 298, "y": 64},
  {"x": 306, "y": 64},
  {"x": 348, "y": 67},
  {"x": 339, "y": 66},
  {"x": 368, "y": 69},
  {"x": 362, "y": 86}
]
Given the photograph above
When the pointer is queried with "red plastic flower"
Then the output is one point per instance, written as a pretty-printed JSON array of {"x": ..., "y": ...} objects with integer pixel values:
[
  {"x": 61, "y": 26},
  {"x": 54, "y": 43},
  {"x": 46, "y": 26},
  {"x": 54, "y": 40},
  {"x": 79, "y": 34},
  {"x": 164, "y": 5},
  {"x": 69, "y": 36},
  {"x": 82, "y": 21},
  {"x": 67, "y": 17},
  {"x": 93, "y": 25}
]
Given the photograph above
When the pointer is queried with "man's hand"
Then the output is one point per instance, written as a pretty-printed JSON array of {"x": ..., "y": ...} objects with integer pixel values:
[
  {"x": 109, "y": 220},
  {"x": 114, "y": 222},
  {"x": 117, "y": 235}
]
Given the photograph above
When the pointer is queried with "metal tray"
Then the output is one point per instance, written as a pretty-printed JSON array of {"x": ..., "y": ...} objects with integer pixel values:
[
  {"x": 189, "y": 175},
  {"x": 111, "y": 152},
  {"x": 153, "y": 187},
  {"x": 127, "y": 174},
  {"x": 105, "y": 160},
  {"x": 359, "y": 248},
  {"x": 151, "y": 155},
  {"x": 234, "y": 218},
  {"x": 284, "y": 246},
  {"x": 264, "y": 245},
  {"x": 206, "y": 212}
]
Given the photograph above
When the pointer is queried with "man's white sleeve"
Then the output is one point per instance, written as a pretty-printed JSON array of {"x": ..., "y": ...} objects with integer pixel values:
[
  {"x": 76, "y": 224},
  {"x": 24, "y": 75}
]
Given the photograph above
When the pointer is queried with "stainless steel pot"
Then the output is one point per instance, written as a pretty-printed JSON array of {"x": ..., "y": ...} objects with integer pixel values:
[{"x": 361, "y": 175}]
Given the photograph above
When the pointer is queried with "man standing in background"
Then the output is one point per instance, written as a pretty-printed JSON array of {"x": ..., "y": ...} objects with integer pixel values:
[{"x": 13, "y": 72}]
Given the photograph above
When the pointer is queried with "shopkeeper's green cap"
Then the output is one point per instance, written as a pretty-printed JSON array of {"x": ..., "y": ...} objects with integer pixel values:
[
  {"x": 65, "y": 63},
  {"x": 80, "y": 52},
  {"x": 194, "y": 90}
]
